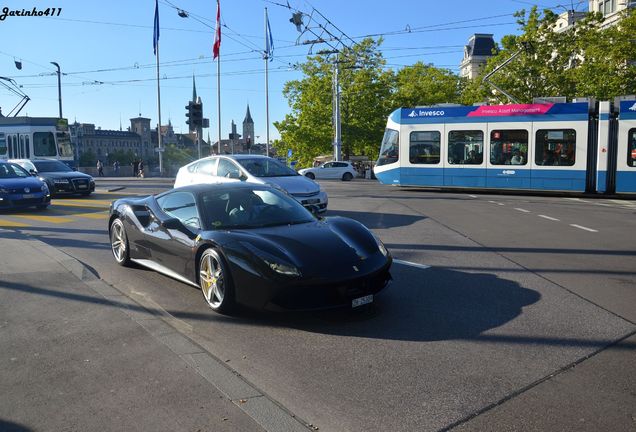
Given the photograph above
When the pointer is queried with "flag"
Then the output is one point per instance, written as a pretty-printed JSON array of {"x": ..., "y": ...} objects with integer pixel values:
[
  {"x": 155, "y": 35},
  {"x": 269, "y": 42},
  {"x": 217, "y": 34}
]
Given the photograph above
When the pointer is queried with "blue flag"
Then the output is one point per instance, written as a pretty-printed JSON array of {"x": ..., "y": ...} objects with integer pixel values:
[
  {"x": 269, "y": 43},
  {"x": 155, "y": 36}
]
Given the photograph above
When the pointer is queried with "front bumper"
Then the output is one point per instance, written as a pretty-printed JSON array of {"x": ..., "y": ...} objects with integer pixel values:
[
  {"x": 15, "y": 201},
  {"x": 71, "y": 186},
  {"x": 316, "y": 199}
]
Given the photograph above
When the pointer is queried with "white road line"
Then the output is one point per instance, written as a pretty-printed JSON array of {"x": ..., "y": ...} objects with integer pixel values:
[
  {"x": 549, "y": 218},
  {"x": 522, "y": 210},
  {"x": 583, "y": 228},
  {"x": 495, "y": 202},
  {"x": 604, "y": 205},
  {"x": 578, "y": 199},
  {"x": 473, "y": 196},
  {"x": 422, "y": 266}
]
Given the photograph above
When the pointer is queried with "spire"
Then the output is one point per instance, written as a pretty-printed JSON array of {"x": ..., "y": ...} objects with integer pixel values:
[
  {"x": 248, "y": 116},
  {"x": 194, "y": 90}
]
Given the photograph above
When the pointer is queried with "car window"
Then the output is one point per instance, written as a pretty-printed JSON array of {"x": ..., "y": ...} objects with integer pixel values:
[
  {"x": 182, "y": 206},
  {"x": 51, "y": 166},
  {"x": 266, "y": 167},
  {"x": 207, "y": 167},
  {"x": 9, "y": 170},
  {"x": 328, "y": 165},
  {"x": 227, "y": 169}
]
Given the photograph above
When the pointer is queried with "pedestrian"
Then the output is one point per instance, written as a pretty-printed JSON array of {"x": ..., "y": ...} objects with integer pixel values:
[
  {"x": 100, "y": 168},
  {"x": 141, "y": 168},
  {"x": 116, "y": 167}
]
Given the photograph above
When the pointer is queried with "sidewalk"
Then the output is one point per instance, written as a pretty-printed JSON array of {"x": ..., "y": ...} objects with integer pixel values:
[{"x": 77, "y": 355}]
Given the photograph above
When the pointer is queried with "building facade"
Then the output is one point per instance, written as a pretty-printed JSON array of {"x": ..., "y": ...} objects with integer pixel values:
[{"x": 479, "y": 49}]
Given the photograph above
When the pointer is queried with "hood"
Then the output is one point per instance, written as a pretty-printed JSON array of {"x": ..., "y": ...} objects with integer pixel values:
[
  {"x": 294, "y": 184},
  {"x": 64, "y": 175},
  {"x": 25, "y": 182},
  {"x": 321, "y": 250}
]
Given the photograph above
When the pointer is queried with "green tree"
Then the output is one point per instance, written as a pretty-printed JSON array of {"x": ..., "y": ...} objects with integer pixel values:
[
  {"x": 422, "y": 84},
  {"x": 365, "y": 89},
  {"x": 88, "y": 158}
]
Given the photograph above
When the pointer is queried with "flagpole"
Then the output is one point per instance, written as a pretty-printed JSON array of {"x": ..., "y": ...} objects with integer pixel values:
[
  {"x": 156, "y": 37},
  {"x": 267, "y": 54}
]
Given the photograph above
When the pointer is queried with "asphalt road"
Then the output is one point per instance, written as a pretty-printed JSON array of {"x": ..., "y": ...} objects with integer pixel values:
[{"x": 506, "y": 313}]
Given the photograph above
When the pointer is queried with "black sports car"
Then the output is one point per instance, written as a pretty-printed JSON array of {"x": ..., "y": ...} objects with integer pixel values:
[{"x": 252, "y": 245}]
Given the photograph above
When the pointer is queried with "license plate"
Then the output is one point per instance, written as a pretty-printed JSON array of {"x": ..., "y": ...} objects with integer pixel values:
[
  {"x": 313, "y": 201},
  {"x": 82, "y": 186},
  {"x": 25, "y": 196},
  {"x": 361, "y": 301}
]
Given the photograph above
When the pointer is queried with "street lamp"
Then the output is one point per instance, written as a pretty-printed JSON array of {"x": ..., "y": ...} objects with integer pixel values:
[{"x": 59, "y": 86}]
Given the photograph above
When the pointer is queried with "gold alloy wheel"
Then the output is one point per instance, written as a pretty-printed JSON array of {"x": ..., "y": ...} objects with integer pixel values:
[{"x": 212, "y": 278}]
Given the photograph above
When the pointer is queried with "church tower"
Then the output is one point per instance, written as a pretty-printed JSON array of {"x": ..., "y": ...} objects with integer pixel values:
[{"x": 248, "y": 127}]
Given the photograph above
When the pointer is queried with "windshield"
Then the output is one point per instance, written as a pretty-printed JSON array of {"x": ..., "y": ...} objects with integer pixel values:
[
  {"x": 10, "y": 170},
  {"x": 390, "y": 147},
  {"x": 266, "y": 167},
  {"x": 241, "y": 208},
  {"x": 51, "y": 166}
]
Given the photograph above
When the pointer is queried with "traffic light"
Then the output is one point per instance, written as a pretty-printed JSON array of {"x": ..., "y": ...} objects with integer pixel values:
[
  {"x": 190, "y": 115},
  {"x": 197, "y": 114}
]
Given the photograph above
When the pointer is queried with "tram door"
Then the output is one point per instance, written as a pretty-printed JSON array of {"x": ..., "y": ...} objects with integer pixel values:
[{"x": 19, "y": 146}]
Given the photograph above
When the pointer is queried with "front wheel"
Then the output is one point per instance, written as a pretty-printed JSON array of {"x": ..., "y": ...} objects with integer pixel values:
[
  {"x": 119, "y": 243},
  {"x": 215, "y": 282},
  {"x": 310, "y": 175},
  {"x": 347, "y": 176}
]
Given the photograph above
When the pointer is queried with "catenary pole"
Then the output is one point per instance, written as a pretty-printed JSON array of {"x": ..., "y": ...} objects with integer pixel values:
[{"x": 267, "y": 54}]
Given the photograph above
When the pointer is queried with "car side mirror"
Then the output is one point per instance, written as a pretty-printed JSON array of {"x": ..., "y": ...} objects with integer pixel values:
[
  {"x": 233, "y": 175},
  {"x": 33, "y": 172},
  {"x": 315, "y": 210},
  {"x": 172, "y": 223},
  {"x": 242, "y": 177}
]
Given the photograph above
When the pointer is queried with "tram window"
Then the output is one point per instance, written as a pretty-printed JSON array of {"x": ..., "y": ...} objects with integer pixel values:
[
  {"x": 466, "y": 147},
  {"x": 424, "y": 147},
  {"x": 631, "y": 148},
  {"x": 389, "y": 150},
  {"x": 509, "y": 147},
  {"x": 3, "y": 144},
  {"x": 64, "y": 144},
  {"x": 555, "y": 147},
  {"x": 44, "y": 144}
]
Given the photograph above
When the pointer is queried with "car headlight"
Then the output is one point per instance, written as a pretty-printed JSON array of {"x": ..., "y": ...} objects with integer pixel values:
[
  {"x": 276, "y": 186},
  {"x": 381, "y": 246},
  {"x": 45, "y": 188},
  {"x": 273, "y": 262},
  {"x": 4, "y": 191}
]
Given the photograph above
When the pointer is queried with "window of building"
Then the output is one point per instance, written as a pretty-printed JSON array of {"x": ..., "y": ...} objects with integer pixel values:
[
  {"x": 3, "y": 144},
  {"x": 555, "y": 147},
  {"x": 424, "y": 147},
  {"x": 44, "y": 144},
  {"x": 465, "y": 147},
  {"x": 631, "y": 148},
  {"x": 509, "y": 147}
]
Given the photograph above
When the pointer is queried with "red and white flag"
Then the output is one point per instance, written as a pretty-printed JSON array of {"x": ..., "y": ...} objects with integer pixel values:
[{"x": 217, "y": 34}]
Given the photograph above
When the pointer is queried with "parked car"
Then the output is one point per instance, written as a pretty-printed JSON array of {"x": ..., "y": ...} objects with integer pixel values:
[
  {"x": 250, "y": 244},
  {"x": 255, "y": 169},
  {"x": 59, "y": 177},
  {"x": 331, "y": 170},
  {"x": 18, "y": 188}
]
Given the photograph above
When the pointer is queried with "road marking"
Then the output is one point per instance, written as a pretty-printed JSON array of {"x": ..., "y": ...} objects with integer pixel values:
[
  {"x": 412, "y": 264},
  {"x": 473, "y": 196},
  {"x": 583, "y": 228},
  {"x": 578, "y": 199},
  {"x": 96, "y": 215},
  {"x": 549, "y": 218},
  {"x": 9, "y": 223},
  {"x": 49, "y": 219},
  {"x": 522, "y": 210},
  {"x": 495, "y": 202},
  {"x": 604, "y": 205},
  {"x": 82, "y": 201}
]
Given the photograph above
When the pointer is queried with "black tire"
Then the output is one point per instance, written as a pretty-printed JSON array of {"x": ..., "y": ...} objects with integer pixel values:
[
  {"x": 215, "y": 281},
  {"x": 119, "y": 243},
  {"x": 310, "y": 175},
  {"x": 347, "y": 176},
  {"x": 42, "y": 206}
]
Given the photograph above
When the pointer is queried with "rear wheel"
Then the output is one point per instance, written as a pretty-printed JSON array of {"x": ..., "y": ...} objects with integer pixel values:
[
  {"x": 215, "y": 281},
  {"x": 347, "y": 176},
  {"x": 310, "y": 175},
  {"x": 119, "y": 243}
]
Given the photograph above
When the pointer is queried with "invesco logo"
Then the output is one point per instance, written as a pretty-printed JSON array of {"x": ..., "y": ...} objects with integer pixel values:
[{"x": 420, "y": 113}]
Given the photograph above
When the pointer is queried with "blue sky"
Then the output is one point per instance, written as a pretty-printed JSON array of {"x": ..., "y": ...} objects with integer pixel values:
[{"x": 105, "y": 51}]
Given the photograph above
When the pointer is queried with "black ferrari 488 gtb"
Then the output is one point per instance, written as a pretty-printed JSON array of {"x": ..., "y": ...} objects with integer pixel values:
[{"x": 251, "y": 245}]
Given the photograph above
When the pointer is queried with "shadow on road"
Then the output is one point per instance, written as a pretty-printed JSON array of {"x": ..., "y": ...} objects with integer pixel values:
[{"x": 378, "y": 220}]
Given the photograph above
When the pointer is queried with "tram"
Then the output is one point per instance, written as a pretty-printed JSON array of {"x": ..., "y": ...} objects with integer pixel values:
[
  {"x": 35, "y": 138},
  {"x": 561, "y": 147}
]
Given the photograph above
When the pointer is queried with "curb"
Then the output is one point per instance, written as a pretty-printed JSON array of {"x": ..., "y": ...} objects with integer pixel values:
[{"x": 171, "y": 332}]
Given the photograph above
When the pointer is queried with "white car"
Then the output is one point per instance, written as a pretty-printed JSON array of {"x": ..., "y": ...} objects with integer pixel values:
[
  {"x": 331, "y": 170},
  {"x": 256, "y": 169}
]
